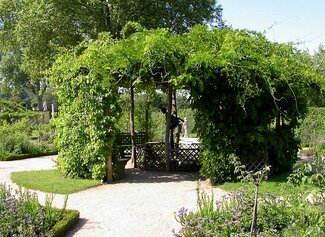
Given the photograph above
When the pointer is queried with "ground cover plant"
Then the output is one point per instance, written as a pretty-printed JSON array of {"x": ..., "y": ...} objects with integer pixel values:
[
  {"x": 51, "y": 181},
  {"x": 22, "y": 215}
]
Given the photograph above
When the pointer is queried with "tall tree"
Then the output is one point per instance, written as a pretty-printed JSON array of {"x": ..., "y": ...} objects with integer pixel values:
[
  {"x": 31, "y": 31},
  {"x": 178, "y": 16}
]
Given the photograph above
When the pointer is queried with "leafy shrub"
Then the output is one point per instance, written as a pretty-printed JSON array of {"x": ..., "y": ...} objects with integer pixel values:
[
  {"x": 22, "y": 215},
  {"x": 221, "y": 170},
  {"x": 15, "y": 139},
  {"x": 89, "y": 110},
  {"x": 312, "y": 129},
  {"x": 11, "y": 112}
]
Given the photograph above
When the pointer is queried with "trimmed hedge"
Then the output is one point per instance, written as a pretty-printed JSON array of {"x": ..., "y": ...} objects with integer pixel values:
[
  {"x": 26, "y": 156},
  {"x": 69, "y": 219}
]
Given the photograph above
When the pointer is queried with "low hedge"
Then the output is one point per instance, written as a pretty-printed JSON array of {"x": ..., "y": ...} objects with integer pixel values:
[
  {"x": 69, "y": 219},
  {"x": 26, "y": 156}
]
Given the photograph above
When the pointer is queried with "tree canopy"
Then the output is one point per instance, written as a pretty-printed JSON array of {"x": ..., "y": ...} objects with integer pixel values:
[{"x": 32, "y": 31}]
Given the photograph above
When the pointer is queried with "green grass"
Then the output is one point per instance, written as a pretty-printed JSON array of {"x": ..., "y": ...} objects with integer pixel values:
[
  {"x": 51, "y": 181},
  {"x": 274, "y": 184}
]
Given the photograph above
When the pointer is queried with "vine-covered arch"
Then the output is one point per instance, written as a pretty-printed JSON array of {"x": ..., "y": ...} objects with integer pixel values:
[{"x": 247, "y": 91}]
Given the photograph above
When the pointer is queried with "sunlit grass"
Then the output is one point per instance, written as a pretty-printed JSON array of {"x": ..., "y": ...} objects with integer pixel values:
[
  {"x": 275, "y": 184},
  {"x": 51, "y": 181}
]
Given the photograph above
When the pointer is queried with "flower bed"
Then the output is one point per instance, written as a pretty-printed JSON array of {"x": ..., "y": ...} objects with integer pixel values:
[
  {"x": 22, "y": 215},
  {"x": 288, "y": 215}
]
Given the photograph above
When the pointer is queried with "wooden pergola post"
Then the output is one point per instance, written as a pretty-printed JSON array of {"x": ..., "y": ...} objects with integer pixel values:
[
  {"x": 167, "y": 133},
  {"x": 109, "y": 167},
  {"x": 132, "y": 130}
]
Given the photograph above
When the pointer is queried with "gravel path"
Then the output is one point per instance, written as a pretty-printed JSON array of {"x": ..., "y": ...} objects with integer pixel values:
[{"x": 140, "y": 205}]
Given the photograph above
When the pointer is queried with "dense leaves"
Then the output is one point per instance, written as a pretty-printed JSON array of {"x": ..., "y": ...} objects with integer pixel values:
[
  {"x": 249, "y": 94},
  {"x": 89, "y": 109},
  {"x": 11, "y": 111},
  {"x": 32, "y": 31}
]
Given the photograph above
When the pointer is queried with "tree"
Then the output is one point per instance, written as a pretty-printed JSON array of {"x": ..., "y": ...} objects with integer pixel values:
[
  {"x": 32, "y": 31},
  {"x": 38, "y": 28},
  {"x": 317, "y": 95},
  {"x": 177, "y": 16}
]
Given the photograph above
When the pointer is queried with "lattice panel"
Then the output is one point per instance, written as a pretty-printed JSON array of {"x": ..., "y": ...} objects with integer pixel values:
[
  {"x": 255, "y": 166},
  {"x": 125, "y": 138},
  {"x": 151, "y": 156},
  {"x": 185, "y": 159}
]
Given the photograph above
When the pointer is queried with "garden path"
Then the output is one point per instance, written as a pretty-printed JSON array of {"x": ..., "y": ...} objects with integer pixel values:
[{"x": 140, "y": 205}]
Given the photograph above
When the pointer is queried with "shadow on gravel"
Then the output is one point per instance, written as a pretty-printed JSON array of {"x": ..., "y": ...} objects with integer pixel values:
[
  {"x": 141, "y": 176},
  {"x": 77, "y": 227}
]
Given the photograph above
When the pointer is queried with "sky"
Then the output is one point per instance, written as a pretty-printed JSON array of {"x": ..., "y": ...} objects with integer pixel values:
[{"x": 299, "y": 21}]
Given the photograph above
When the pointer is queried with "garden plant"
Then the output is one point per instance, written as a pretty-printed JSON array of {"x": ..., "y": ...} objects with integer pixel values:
[
  {"x": 279, "y": 214},
  {"x": 22, "y": 215},
  {"x": 23, "y": 132}
]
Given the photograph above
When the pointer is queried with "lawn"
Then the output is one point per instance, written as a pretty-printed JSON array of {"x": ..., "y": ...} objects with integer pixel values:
[
  {"x": 51, "y": 181},
  {"x": 274, "y": 184}
]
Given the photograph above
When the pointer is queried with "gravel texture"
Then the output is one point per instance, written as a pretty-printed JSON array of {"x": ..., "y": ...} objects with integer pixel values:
[{"x": 140, "y": 205}]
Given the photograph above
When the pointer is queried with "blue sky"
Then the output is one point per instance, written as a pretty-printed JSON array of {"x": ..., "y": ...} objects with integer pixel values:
[{"x": 298, "y": 21}]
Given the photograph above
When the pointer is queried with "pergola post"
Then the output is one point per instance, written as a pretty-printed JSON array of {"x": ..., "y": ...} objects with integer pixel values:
[
  {"x": 109, "y": 167},
  {"x": 168, "y": 131},
  {"x": 132, "y": 130}
]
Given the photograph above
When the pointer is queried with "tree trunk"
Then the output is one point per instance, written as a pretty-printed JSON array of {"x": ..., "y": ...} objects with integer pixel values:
[
  {"x": 107, "y": 14},
  {"x": 168, "y": 131},
  {"x": 132, "y": 132}
]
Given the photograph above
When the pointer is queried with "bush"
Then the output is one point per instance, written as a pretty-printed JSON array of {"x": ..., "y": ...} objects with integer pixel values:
[
  {"x": 220, "y": 171},
  {"x": 16, "y": 139},
  {"x": 22, "y": 215},
  {"x": 312, "y": 129}
]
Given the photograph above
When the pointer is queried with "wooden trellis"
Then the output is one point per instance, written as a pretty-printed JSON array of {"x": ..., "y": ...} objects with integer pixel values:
[
  {"x": 125, "y": 138},
  {"x": 152, "y": 156},
  {"x": 256, "y": 165}
]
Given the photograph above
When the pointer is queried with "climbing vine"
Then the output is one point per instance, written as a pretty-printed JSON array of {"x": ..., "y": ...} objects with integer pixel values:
[
  {"x": 248, "y": 94},
  {"x": 89, "y": 109}
]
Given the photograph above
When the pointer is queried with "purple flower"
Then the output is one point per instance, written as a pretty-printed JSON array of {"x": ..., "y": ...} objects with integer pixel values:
[{"x": 182, "y": 212}]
